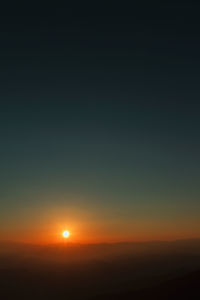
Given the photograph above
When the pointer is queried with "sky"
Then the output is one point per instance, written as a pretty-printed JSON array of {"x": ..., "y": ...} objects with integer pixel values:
[{"x": 99, "y": 122}]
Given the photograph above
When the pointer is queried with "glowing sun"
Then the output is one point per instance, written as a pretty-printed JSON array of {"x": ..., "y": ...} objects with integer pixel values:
[{"x": 66, "y": 234}]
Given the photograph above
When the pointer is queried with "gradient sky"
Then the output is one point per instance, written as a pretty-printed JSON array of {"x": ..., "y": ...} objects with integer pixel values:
[{"x": 99, "y": 122}]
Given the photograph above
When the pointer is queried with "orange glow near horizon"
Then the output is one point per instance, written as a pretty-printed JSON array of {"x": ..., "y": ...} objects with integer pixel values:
[
  {"x": 92, "y": 236},
  {"x": 87, "y": 228},
  {"x": 49, "y": 238}
]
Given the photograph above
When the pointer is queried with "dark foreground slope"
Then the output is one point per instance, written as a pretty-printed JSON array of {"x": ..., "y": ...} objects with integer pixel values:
[
  {"x": 117, "y": 271},
  {"x": 184, "y": 287}
]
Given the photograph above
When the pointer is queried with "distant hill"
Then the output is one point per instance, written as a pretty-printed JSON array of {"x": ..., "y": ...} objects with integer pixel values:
[{"x": 70, "y": 251}]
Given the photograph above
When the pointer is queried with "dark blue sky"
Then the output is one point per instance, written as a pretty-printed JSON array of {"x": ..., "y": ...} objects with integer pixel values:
[{"x": 99, "y": 112}]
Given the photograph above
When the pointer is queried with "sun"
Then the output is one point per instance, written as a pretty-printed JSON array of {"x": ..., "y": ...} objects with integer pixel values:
[{"x": 66, "y": 234}]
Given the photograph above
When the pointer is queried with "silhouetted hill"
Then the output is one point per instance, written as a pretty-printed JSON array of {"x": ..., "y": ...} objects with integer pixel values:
[{"x": 100, "y": 271}]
